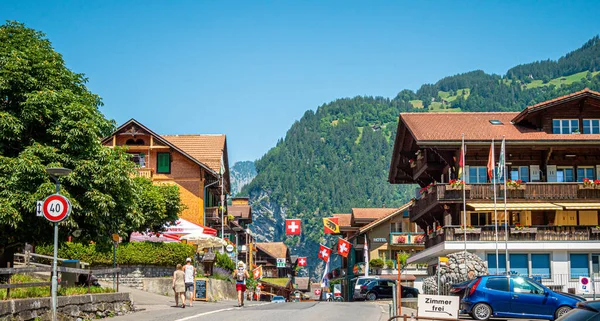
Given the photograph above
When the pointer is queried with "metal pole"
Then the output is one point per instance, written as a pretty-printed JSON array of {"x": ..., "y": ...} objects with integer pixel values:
[
  {"x": 222, "y": 209},
  {"x": 114, "y": 263},
  {"x": 54, "y": 260},
  {"x": 495, "y": 210},
  {"x": 462, "y": 157},
  {"x": 394, "y": 301}
]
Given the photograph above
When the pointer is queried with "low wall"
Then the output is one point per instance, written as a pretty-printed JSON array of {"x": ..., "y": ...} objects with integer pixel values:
[
  {"x": 133, "y": 275},
  {"x": 88, "y": 306},
  {"x": 217, "y": 289}
]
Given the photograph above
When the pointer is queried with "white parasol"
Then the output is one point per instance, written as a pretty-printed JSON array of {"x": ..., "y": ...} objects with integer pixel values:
[{"x": 204, "y": 240}]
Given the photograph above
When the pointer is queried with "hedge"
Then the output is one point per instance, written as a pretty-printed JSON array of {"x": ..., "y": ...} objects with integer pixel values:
[{"x": 142, "y": 253}]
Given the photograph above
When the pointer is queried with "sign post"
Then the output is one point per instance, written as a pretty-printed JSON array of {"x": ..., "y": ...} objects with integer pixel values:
[
  {"x": 56, "y": 208},
  {"x": 281, "y": 262},
  {"x": 584, "y": 285}
]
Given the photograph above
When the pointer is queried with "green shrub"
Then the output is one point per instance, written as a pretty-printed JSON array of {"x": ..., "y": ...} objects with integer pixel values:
[
  {"x": 389, "y": 264},
  {"x": 376, "y": 263},
  {"x": 224, "y": 261},
  {"x": 143, "y": 253}
]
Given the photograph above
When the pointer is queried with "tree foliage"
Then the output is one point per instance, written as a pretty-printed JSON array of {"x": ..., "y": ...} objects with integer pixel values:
[{"x": 48, "y": 118}]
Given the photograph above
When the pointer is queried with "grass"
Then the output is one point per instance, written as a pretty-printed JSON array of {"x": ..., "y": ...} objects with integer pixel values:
[
  {"x": 44, "y": 291},
  {"x": 360, "y": 133},
  {"x": 277, "y": 281},
  {"x": 416, "y": 103},
  {"x": 566, "y": 80}
]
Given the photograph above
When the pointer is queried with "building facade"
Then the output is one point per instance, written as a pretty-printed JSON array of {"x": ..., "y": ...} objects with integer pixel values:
[
  {"x": 549, "y": 225},
  {"x": 197, "y": 164}
]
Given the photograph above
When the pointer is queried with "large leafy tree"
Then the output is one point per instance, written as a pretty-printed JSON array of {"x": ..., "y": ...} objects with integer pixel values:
[{"x": 48, "y": 118}]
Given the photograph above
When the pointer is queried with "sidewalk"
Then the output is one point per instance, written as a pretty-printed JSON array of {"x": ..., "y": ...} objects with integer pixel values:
[{"x": 152, "y": 306}]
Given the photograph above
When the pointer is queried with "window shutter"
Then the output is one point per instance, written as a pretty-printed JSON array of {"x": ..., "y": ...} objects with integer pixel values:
[
  {"x": 466, "y": 174},
  {"x": 534, "y": 172},
  {"x": 163, "y": 163},
  {"x": 551, "y": 173},
  {"x": 597, "y": 171}
]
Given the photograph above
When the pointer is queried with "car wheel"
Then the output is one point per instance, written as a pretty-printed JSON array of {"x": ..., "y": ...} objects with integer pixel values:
[
  {"x": 371, "y": 296},
  {"x": 561, "y": 311},
  {"x": 409, "y": 295},
  {"x": 481, "y": 311}
]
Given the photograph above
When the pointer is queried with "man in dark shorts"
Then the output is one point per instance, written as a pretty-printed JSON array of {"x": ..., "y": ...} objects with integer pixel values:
[{"x": 190, "y": 274}]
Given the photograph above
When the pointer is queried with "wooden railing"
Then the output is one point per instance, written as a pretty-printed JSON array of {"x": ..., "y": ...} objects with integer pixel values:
[
  {"x": 212, "y": 214},
  {"x": 516, "y": 234},
  {"x": 145, "y": 172},
  {"x": 527, "y": 191}
]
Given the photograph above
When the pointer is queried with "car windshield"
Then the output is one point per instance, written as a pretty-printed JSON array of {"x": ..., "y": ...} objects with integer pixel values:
[
  {"x": 277, "y": 298},
  {"x": 578, "y": 314},
  {"x": 363, "y": 281}
]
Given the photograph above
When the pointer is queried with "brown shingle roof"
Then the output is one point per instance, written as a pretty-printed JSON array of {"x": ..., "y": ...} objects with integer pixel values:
[
  {"x": 274, "y": 249},
  {"x": 302, "y": 283},
  {"x": 241, "y": 211},
  {"x": 476, "y": 126},
  {"x": 343, "y": 219},
  {"x": 371, "y": 213},
  {"x": 389, "y": 216},
  {"x": 207, "y": 149}
]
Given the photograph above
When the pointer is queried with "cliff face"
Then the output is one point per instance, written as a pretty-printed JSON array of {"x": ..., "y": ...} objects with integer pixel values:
[{"x": 242, "y": 173}]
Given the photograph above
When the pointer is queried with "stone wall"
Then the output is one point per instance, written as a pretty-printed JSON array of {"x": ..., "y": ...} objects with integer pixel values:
[
  {"x": 77, "y": 307},
  {"x": 217, "y": 289},
  {"x": 461, "y": 267},
  {"x": 133, "y": 275}
]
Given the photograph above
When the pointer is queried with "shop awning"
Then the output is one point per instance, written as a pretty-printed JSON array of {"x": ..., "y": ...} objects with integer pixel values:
[
  {"x": 579, "y": 206},
  {"x": 514, "y": 206}
]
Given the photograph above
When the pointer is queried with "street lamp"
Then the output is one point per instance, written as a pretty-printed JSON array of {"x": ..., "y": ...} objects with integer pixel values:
[{"x": 55, "y": 173}]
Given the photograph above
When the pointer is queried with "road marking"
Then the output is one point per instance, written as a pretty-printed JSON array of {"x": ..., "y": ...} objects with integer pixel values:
[{"x": 217, "y": 311}]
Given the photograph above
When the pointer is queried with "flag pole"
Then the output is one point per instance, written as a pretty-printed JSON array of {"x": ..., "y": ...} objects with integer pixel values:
[
  {"x": 366, "y": 256},
  {"x": 464, "y": 192},
  {"x": 506, "y": 230},
  {"x": 495, "y": 209}
]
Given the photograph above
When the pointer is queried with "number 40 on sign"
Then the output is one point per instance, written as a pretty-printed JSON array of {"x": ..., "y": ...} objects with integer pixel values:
[{"x": 55, "y": 208}]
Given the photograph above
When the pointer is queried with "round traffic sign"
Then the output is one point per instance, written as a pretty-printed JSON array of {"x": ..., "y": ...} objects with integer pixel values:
[
  {"x": 229, "y": 248},
  {"x": 585, "y": 281},
  {"x": 56, "y": 208}
]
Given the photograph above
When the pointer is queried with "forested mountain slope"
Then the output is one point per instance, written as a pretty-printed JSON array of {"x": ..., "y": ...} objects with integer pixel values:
[{"x": 338, "y": 157}]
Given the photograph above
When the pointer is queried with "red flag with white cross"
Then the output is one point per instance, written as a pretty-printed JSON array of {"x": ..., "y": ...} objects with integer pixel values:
[
  {"x": 292, "y": 227},
  {"x": 344, "y": 247},
  {"x": 302, "y": 261},
  {"x": 324, "y": 253}
]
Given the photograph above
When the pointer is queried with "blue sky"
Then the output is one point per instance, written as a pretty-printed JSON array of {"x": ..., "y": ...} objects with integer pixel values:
[{"x": 249, "y": 69}]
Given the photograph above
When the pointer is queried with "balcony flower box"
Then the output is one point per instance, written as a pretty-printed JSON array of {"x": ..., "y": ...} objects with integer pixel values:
[
  {"x": 449, "y": 187},
  {"x": 596, "y": 230},
  {"x": 468, "y": 230},
  {"x": 519, "y": 230},
  {"x": 584, "y": 186},
  {"x": 412, "y": 163}
]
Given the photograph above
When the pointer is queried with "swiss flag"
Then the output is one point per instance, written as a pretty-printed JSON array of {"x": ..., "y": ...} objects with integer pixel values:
[
  {"x": 324, "y": 253},
  {"x": 292, "y": 227},
  {"x": 302, "y": 261},
  {"x": 343, "y": 247}
]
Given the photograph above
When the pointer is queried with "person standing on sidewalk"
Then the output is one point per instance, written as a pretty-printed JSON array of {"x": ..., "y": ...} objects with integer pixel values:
[
  {"x": 190, "y": 274},
  {"x": 240, "y": 276},
  {"x": 179, "y": 286}
]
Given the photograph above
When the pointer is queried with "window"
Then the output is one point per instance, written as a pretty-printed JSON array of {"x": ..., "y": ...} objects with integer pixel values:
[
  {"x": 139, "y": 159},
  {"x": 495, "y": 122},
  {"x": 540, "y": 265},
  {"x": 579, "y": 265},
  {"x": 564, "y": 174},
  {"x": 595, "y": 264},
  {"x": 477, "y": 174},
  {"x": 479, "y": 219},
  {"x": 163, "y": 161},
  {"x": 499, "y": 284},
  {"x": 521, "y": 285},
  {"x": 585, "y": 172},
  {"x": 591, "y": 126},
  {"x": 519, "y": 263},
  {"x": 565, "y": 126},
  {"x": 491, "y": 258},
  {"x": 519, "y": 172}
]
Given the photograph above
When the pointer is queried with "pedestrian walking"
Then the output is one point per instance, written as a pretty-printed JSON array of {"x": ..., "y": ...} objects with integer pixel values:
[
  {"x": 240, "y": 275},
  {"x": 179, "y": 285},
  {"x": 189, "y": 275}
]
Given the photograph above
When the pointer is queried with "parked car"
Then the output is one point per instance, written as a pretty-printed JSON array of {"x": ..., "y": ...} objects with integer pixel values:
[
  {"x": 360, "y": 281},
  {"x": 458, "y": 289},
  {"x": 585, "y": 311},
  {"x": 382, "y": 288},
  {"x": 278, "y": 299},
  {"x": 514, "y": 297}
]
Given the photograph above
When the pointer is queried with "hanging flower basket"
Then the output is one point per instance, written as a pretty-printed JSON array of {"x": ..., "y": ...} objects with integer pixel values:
[{"x": 412, "y": 163}]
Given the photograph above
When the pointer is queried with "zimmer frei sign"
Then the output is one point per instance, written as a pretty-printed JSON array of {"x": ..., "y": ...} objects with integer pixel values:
[{"x": 438, "y": 306}]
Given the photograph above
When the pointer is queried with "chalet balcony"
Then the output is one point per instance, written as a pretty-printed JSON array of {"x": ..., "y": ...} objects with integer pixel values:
[
  {"x": 409, "y": 239},
  {"x": 213, "y": 215},
  {"x": 445, "y": 193},
  {"x": 145, "y": 172},
  {"x": 516, "y": 234}
]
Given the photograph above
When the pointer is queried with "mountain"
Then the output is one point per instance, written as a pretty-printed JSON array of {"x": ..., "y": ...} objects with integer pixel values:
[
  {"x": 338, "y": 157},
  {"x": 242, "y": 173}
]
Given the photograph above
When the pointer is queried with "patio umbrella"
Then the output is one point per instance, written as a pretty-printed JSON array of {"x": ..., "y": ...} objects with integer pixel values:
[{"x": 204, "y": 240}]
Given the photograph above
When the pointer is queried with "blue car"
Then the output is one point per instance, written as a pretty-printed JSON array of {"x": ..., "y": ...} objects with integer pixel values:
[
  {"x": 514, "y": 297},
  {"x": 278, "y": 299}
]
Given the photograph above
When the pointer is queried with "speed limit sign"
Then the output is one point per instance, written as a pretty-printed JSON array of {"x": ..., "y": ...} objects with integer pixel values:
[{"x": 56, "y": 208}]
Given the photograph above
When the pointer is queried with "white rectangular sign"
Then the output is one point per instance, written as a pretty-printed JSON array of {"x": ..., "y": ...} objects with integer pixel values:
[
  {"x": 438, "y": 306},
  {"x": 584, "y": 286},
  {"x": 281, "y": 262},
  {"x": 38, "y": 208}
]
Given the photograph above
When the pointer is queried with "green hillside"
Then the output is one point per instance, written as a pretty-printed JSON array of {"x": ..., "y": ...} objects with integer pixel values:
[{"x": 338, "y": 157}]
